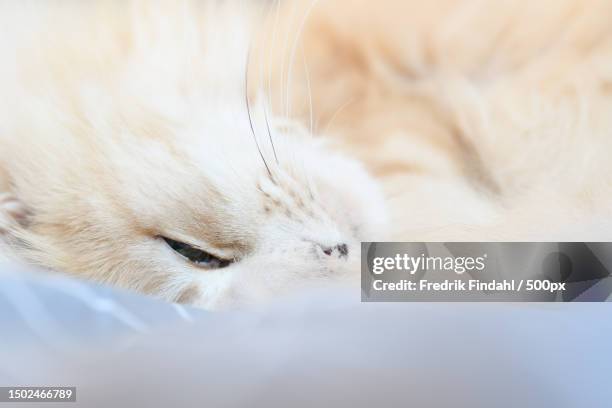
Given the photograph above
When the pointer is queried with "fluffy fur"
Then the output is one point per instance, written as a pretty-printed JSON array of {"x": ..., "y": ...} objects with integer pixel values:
[
  {"x": 482, "y": 119},
  {"x": 124, "y": 121}
]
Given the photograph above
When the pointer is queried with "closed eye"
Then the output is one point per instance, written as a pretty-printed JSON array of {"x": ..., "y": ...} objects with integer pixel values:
[{"x": 197, "y": 256}]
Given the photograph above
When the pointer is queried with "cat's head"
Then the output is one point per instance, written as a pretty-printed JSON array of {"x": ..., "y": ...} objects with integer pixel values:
[
  {"x": 141, "y": 164},
  {"x": 212, "y": 213}
]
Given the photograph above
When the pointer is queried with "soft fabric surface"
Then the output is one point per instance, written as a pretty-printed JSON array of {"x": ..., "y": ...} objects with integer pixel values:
[{"x": 121, "y": 349}]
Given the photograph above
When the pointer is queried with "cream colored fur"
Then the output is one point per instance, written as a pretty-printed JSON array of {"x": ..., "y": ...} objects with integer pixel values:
[
  {"x": 483, "y": 119},
  {"x": 121, "y": 122}
]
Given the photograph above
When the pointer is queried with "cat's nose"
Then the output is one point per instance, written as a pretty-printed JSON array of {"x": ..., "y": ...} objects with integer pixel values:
[{"x": 341, "y": 250}]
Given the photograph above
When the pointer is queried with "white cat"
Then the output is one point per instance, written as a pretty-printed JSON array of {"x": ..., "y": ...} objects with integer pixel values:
[{"x": 130, "y": 153}]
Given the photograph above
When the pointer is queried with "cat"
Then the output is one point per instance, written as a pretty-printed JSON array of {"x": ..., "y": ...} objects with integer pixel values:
[{"x": 223, "y": 153}]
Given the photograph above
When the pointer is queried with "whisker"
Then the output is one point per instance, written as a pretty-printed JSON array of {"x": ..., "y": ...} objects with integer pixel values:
[
  {"x": 293, "y": 51},
  {"x": 270, "y": 133},
  {"x": 261, "y": 86},
  {"x": 248, "y": 108},
  {"x": 282, "y": 84},
  {"x": 271, "y": 52},
  {"x": 309, "y": 91},
  {"x": 340, "y": 109}
]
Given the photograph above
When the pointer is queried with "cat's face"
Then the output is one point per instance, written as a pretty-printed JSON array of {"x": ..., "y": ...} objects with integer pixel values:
[
  {"x": 213, "y": 223},
  {"x": 190, "y": 211}
]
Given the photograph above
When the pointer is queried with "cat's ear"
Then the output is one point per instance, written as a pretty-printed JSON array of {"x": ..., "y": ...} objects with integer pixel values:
[{"x": 13, "y": 213}]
